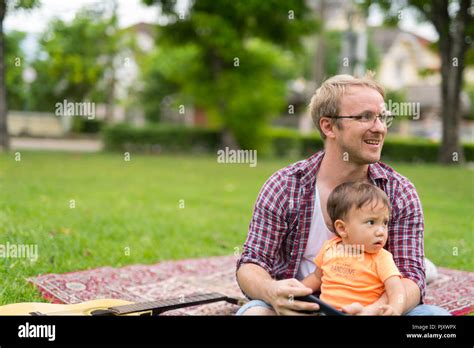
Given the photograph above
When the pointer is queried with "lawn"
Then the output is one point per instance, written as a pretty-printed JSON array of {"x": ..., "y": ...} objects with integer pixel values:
[{"x": 155, "y": 208}]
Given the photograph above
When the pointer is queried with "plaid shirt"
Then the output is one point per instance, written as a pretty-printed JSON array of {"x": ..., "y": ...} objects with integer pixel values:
[{"x": 280, "y": 225}]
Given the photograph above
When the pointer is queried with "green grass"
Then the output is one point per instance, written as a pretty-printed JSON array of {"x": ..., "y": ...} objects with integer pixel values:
[{"x": 136, "y": 205}]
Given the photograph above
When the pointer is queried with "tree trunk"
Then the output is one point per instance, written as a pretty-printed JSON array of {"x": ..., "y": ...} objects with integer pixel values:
[
  {"x": 228, "y": 138},
  {"x": 4, "y": 138},
  {"x": 319, "y": 69},
  {"x": 452, "y": 49},
  {"x": 110, "y": 98}
]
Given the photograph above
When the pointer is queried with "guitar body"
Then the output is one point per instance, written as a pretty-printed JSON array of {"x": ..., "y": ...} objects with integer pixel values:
[{"x": 84, "y": 308}]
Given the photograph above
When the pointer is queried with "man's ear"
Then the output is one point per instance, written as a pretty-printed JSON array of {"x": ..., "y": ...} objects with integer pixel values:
[
  {"x": 327, "y": 126},
  {"x": 340, "y": 228}
]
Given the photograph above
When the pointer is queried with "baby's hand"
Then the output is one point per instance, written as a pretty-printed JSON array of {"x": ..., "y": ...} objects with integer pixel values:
[
  {"x": 387, "y": 310},
  {"x": 357, "y": 309}
]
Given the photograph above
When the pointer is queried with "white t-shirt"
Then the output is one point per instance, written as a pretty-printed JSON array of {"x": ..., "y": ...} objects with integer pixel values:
[{"x": 318, "y": 234}]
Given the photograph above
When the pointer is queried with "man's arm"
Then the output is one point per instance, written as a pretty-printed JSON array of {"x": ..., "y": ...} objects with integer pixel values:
[
  {"x": 406, "y": 243},
  {"x": 255, "y": 281},
  {"x": 258, "y": 284},
  {"x": 267, "y": 229}
]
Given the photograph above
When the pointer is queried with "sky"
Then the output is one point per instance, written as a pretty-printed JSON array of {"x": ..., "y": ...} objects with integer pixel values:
[{"x": 35, "y": 21}]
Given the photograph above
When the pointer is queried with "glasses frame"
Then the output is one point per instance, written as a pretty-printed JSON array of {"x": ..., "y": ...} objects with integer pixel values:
[{"x": 383, "y": 117}]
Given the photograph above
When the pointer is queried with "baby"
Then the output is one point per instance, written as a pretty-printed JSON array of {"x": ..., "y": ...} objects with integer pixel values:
[{"x": 353, "y": 267}]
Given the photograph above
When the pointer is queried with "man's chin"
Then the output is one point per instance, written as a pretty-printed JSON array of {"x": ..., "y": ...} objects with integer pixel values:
[
  {"x": 368, "y": 159},
  {"x": 363, "y": 157},
  {"x": 373, "y": 159}
]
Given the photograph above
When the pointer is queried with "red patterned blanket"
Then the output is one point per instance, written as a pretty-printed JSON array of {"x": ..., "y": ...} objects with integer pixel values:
[{"x": 452, "y": 290}]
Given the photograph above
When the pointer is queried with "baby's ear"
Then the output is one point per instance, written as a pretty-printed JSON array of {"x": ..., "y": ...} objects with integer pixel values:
[{"x": 340, "y": 228}]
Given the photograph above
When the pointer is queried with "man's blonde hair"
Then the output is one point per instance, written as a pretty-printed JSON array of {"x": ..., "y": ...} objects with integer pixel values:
[{"x": 327, "y": 99}]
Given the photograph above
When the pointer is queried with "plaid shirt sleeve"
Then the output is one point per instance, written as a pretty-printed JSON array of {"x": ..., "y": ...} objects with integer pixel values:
[
  {"x": 267, "y": 226},
  {"x": 406, "y": 236}
]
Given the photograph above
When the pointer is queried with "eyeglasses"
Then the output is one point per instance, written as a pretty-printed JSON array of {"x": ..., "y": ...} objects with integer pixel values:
[{"x": 385, "y": 117}]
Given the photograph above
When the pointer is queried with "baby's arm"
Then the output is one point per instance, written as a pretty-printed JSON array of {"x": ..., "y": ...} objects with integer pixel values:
[
  {"x": 313, "y": 281},
  {"x": 396, "y": 297}
]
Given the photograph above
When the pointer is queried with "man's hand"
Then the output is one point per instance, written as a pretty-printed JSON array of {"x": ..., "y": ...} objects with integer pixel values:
[{"x": 282, "y": 295}]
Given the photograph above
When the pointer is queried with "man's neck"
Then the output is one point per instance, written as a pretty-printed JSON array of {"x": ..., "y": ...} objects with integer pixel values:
[{"x": 334, "y": 170}]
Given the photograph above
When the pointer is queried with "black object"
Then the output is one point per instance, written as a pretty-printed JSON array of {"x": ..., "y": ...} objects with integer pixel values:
[
  {"x": 158, "y": 307},
  {"x": 324, "y": 308}
]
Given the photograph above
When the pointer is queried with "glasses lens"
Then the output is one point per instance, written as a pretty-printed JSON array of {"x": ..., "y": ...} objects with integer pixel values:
[{"x": 367, "y": 118}]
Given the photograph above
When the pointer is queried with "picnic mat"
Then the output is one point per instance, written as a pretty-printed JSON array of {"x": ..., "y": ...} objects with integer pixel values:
[{"x": 452, "y": 290}]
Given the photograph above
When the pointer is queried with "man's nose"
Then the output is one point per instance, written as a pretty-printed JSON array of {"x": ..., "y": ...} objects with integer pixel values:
[{"x": 378, "y": 126}]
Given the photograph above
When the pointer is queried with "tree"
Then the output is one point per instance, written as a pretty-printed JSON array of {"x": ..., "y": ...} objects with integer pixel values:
[
  {"x": 4, "y": 7},
  {"x": 235, "y": 64},
  {"x": 78, "y": 57},
  {"x": 454, "y": 23},
  {"x": 16, "y": 97}
]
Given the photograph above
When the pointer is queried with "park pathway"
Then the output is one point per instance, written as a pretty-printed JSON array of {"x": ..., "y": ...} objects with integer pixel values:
[{"x": 73, "y": 145}]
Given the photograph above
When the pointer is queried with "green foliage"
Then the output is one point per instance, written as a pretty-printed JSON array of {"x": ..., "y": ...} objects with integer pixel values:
[
  {"x": 211, "y": 23},
  {"x": 136, "y": 205},
  {"x": 82, "y": 125},
  {"x": 15, "y": 63},
  {"x": 158, "y": 138},
  {"x": 311, "y": 144},
  {"x": 453, "y": 21},
  {"x": 76, "y": 59},
  {"x": 395, "y": 97},
  {"x": 229, "y": 59},
  {"x": 417, "y": 150},
  {"x": 332, "y": 54},
  {"x": 163, "y": 70},
  {"x": 23, "y": 4},
  {"x": 282, "y": 142},
  {"x": 373, "y": 54},
  {"x": 285, "y": 142}
]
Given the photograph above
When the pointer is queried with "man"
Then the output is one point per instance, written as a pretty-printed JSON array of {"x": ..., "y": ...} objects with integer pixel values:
[{"x": 290, "y": 222}]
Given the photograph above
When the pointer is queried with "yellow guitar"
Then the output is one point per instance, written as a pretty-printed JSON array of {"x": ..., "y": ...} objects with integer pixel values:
[{"x": 114, "y": 307}]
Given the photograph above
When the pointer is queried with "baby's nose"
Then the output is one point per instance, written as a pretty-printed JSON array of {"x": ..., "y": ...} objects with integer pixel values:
[{"x": 380, "y": 231}]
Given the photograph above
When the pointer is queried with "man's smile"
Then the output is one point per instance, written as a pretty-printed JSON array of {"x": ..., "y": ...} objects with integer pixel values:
[{"x": 373, "y": 142}]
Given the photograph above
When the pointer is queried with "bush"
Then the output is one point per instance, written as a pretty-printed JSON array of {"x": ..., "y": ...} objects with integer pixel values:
[
  {"x": 282, "y": 143},
  {"x": 311, "y": 144},
  {"x": 81, "y": 125},
  {"x": 417, "y": 150},
  {"x": 158, "y": 138},
  {"x": 410, "y": 150}
]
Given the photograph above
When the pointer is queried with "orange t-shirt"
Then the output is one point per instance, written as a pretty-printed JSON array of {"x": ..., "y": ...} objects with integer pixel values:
[{"x": 349, "y": 277}]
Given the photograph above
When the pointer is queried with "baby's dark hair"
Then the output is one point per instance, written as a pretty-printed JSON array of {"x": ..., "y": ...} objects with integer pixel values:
[{"x": 353, "y": 194}]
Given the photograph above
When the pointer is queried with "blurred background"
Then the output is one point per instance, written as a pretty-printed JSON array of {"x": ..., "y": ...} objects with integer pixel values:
[
  {"x": 112, "y": 113},
  {"x": 241, "y": 72}
]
